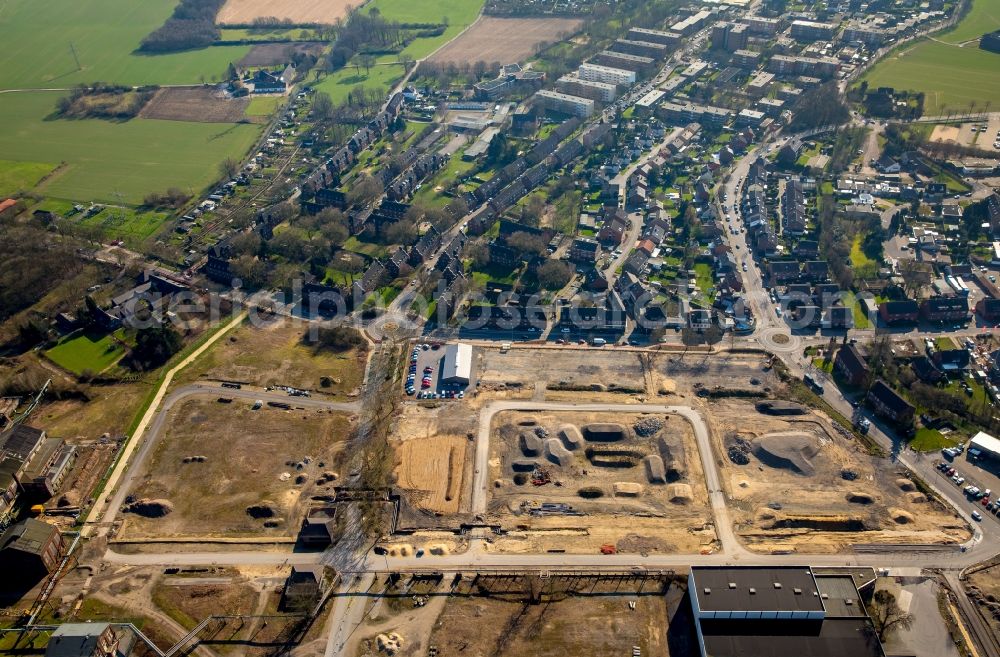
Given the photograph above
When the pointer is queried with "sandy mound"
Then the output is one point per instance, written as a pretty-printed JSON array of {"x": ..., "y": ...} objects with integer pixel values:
[
  {"x": 655, "y": 471},
  {"x": 901, "y": 517},
  {"x": 605, "y": 432},
  {"x": 679, "y": 493},
  {"x": 789, "y": 450},
  {"x": 627, "y": 489},
  {"x": 571, "y": 436},
  {"x": 390, "y": 643},
  {"x": 906, "y": 484},
  {"x": 401, "y": 550},
  {"x": 531, "y": 444},
  {"x": 555, "y": 452},
  {"x": 149, "y": 508},
  {"x": 916, "y": 498},
  {"x": 671, "y": 449},
  {"x": 860, "y": 498}
]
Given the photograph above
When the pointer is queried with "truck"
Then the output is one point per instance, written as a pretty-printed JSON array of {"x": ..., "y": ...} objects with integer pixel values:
[{"x": 813, "y": 383}]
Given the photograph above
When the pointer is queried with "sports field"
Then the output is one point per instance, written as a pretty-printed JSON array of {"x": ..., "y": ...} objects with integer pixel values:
[
  {"x": 103, "y": 158},
  {"x": 342, "y": 82},
  {"x": 983, "y": 17},
  {"x": 459, "y": 14},
  {"x": 82, "y": 351},
  {"x": 950, "y": 76},
  {"x": 39, "y": 39}
]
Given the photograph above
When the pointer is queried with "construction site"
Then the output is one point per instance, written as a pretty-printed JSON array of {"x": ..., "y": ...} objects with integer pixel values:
[
  {"x": 516, "y": 614},
  {"x": 234, "y": 468},
  {"x": 569, "y": 479},
  {"x": 565, "y": 480},
  {"x": 796, "y": 480}
]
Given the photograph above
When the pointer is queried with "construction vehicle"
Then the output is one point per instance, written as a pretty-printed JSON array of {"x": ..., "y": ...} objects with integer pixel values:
[{"x": 609, "y": 549}]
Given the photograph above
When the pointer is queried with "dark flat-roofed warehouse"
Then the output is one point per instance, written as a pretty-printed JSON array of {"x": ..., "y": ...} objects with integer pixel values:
[
  {"x": 786, "y": 592},
  {"x": 780, "y": 612}
]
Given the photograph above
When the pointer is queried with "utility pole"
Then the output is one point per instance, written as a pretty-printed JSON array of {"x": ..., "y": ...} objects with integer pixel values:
[{"x": 75, "y": 58}]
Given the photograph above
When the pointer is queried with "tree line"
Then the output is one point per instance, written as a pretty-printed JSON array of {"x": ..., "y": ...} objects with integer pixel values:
[{"x": 192, "y": 25}]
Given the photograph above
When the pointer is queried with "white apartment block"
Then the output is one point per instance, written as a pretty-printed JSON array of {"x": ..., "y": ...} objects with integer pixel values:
[{"x": 606, "y": 74}]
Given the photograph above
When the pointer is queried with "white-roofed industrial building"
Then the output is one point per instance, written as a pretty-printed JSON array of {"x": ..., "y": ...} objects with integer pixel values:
[
  {"x": 986, "y": 445},
  {"x": 457, "y": 367}
]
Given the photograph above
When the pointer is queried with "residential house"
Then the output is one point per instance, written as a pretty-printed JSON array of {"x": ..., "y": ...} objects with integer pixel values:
[
  {"x": 613, "y": 231},
  {"x": 898, "y": 312},
  {"x": 945, "y": 309},
  {"x": 584, "y": 251},
  {"x": 925, "y": 370},
  {"x": 636, "y": 262},
  {"x": 851, "y": 365},
  {"x": 952, "y": 362},
  {"x": 889, "y": 405},
  {"x": 988, "y": 309},
  {"x": 816, "y": 271},
  {"x": 783, "y": 271}
]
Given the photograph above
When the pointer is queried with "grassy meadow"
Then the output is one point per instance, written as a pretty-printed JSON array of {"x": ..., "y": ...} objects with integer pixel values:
[
  {"x": 950, "y": 76},
  {"x": 104, "y": 158},
  {"x": 39, "y": 38},
  {"x": 459, "y": 14}
]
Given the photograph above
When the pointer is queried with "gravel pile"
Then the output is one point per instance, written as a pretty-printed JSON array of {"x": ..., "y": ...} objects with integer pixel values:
[
  {"x": 849, "y": 475},
  {"x": 647, "y": 426}
]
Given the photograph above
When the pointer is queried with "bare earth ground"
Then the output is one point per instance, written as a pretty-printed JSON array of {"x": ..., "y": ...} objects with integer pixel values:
[
  {"x": 504, "y": 40},
  {"x": 432, "y": 469},
  {"x": 608, "y": 483},
  {"x": 522, "y": 369},
  {"x": 433, "y": 456},
  {"x": 581, "y": 626},
  {"x": 273, "y": 355},
  {"x": 203, "y": 104},
  {"x": 988, "y": 583},
  {"x": 247, "y": 456},
  {"x": 277, "y": 54},
  {"x": 241, "y": 12},
  {"x": 776, "y": 507}
]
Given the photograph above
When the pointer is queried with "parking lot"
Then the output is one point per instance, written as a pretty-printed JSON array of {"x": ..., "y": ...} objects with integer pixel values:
[
  {"x": 972, "y": 474},
  {"x": 429, "y": 355}
]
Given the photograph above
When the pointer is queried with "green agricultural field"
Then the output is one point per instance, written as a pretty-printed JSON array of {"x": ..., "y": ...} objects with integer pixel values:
[
  {"x": 39, "y": 38},
  {"x": 342, "y": 82},
  {"x": 950, "y": 76},
  {"x": 103, "y": 158},
  {"x": 459, "y": 14},
  {"x": 263, "y": 105},
  {"x": 21, "y": 176},
  {"x": 82, "y": 351},
  {"x": 983, "y": 17}
]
